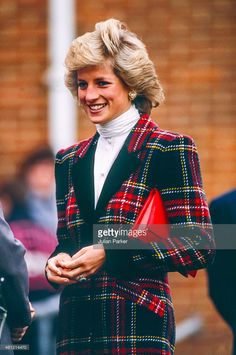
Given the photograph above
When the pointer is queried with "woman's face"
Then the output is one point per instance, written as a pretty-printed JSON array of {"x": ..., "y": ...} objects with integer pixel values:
[{"x": 101, "y": 93}]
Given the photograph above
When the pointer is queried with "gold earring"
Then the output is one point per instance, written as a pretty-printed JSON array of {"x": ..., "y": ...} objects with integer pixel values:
[{"x": 132, "y": 94}]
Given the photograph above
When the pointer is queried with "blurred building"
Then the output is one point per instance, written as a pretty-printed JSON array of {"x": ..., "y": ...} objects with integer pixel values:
[{"x": 193, "y": 45}]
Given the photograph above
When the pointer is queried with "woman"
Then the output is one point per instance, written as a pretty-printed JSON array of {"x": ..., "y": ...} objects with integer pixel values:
[{"x": 118, "y": 301}]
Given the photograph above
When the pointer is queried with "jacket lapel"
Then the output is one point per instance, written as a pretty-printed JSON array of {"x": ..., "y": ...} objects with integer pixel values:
[
  {"x": 83, "y": 180},
  {"x": 123, "y": 166},
  {"x": 126, "y": 162}
]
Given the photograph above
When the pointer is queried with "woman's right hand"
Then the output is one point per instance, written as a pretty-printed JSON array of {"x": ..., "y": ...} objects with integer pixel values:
[{"x": 54, "y": 269}]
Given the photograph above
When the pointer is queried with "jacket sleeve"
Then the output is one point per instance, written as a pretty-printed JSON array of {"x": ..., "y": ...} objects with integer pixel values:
[
  {"x": 13, "y": 268},
  {"x": 61, "y": 177},
  {"x": 176, "y": 173},
  {"x": 63, "y": 237}
]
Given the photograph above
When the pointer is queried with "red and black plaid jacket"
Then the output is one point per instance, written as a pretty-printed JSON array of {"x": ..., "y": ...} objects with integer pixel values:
[{"x": 127, "y": 306}]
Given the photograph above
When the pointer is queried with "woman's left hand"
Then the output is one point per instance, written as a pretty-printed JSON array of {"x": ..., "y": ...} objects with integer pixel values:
[{"x": 84, "y": 263}]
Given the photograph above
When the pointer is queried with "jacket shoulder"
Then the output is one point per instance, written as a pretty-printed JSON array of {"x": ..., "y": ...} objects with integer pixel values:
[
  {"x": 66, "y": 154},
  {"x": 165, "y": 140}
]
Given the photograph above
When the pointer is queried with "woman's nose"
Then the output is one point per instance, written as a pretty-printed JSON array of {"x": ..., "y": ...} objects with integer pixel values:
[{"x": 91, "y": 93}]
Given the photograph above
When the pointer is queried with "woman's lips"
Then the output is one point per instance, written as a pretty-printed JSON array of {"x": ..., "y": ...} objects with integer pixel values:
[{"x": 96, "y": 107}]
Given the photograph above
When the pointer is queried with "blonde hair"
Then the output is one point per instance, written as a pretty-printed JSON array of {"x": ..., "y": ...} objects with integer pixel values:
[{"x": 128, "y": 56}]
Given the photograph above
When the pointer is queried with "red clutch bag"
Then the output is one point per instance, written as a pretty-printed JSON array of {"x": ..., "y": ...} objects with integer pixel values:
[{"x": 153, "y": 217}]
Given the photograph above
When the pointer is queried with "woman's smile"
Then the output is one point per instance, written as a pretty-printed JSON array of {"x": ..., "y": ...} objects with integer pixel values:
[{"x": 96, "y": 108}]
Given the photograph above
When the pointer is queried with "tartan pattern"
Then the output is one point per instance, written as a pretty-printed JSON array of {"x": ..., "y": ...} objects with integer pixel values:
[{"x": 126, "y": 308}]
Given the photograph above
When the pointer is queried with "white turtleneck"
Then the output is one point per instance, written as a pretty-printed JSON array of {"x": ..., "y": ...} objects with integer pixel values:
[{"x": 111, "y": 139}]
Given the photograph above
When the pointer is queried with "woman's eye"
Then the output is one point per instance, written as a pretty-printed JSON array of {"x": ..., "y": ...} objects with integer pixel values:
[
  {"x": 82, "y": 85},
  {"x": 103, "y": 83}
]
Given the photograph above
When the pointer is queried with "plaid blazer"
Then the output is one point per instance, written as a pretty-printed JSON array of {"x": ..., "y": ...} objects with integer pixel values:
[{"x": 126, "y": 307}]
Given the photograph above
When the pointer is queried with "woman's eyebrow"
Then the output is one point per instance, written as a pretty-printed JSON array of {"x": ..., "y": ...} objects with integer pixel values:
[
  {"x": 96, "y": 79},
  {"x": 103, "y": 78}
]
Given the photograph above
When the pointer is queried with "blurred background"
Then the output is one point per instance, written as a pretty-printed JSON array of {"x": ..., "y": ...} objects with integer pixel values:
[{"x": 193, "y": 46}]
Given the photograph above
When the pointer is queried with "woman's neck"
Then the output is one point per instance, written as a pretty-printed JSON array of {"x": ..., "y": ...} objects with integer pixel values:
[{"x": 119, "y": 125}]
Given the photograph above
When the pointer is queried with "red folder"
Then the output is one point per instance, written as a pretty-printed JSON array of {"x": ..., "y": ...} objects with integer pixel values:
[{"x": 153, "y": 217}]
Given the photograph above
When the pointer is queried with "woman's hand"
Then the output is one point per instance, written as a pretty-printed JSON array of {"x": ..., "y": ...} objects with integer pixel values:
[
  {"x": 18, "y": 333},
  {"x": 54, "y": 269},
  {"x": 84, "y": 263}
]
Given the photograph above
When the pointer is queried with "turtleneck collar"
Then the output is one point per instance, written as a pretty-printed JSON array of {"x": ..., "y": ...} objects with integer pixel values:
[{"x": 120, "y": 125}]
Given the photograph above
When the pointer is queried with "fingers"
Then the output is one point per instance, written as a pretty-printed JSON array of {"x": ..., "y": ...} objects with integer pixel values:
[
  {"x": 74, "y": 269},
  {"x": 86, "y": 262},
  {"x": 64, "y": 269},
  {"x": 76, "y": 259},
  {"x": 17, "y": 334},
  {"x": 62, "y": 257},
  {"x": 79, "y": 277},
  {"x": 53, "y": 267},
  {"x": 55, "y": 272},
  {"x": 58, "y": 279},
  {"x": 76, "y": 274},
  {"x": 80, "y": 252},
  {"x": 71, "y": 264}
]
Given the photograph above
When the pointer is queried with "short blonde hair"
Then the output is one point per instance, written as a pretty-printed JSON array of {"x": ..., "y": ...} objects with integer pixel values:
[{"x": 129, "y": 58}]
